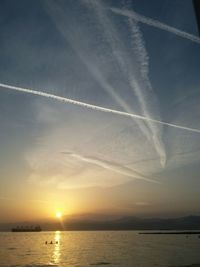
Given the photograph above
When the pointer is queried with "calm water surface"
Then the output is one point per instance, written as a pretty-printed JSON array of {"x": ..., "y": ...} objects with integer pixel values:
[{"x": 103, "y": 248}]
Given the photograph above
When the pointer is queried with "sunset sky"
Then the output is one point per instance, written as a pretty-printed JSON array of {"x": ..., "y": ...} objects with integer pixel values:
[{"x": 56, "y": 156}]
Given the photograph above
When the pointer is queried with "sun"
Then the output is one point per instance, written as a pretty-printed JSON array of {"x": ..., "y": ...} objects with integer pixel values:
[{"x": 58, "y": 214}]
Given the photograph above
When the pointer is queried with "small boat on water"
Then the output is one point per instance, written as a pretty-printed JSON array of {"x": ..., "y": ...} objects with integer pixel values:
[{"x": 27, "y": 229}]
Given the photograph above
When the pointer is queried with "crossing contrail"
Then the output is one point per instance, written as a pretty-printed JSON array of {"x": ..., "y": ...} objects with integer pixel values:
[
  {"x": 94, "y": 107},
  {"x": 109, "y": 165},
  {"x": 134, "y": 66},
  {"x": 155, "y": 23}
]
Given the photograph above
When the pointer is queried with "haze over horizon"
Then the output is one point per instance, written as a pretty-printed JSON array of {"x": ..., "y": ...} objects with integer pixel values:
[{"x": 99, "y": 109}]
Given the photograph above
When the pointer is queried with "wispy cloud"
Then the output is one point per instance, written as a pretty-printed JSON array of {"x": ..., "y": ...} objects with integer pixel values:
[{"x": 112, "y": 166}]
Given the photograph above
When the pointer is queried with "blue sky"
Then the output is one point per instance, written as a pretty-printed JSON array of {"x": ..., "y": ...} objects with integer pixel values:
[{"x": 84, "y": 51}]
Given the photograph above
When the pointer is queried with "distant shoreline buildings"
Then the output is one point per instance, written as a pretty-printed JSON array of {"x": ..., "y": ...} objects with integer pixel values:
[{"x": 27, "y": 229}]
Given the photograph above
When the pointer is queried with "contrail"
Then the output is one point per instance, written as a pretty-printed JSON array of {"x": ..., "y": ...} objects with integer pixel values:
[
  {"x": 115, "y": 167},
  {"x": 142, "y": 55},
  {"x": 155, "y": 23},
  {"x": 135, "y": 72},
  {"x": 94, "y": 107}
]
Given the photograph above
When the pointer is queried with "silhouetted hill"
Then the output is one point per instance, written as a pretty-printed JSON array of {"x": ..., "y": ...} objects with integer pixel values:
[{"x": 125, "y": 223}]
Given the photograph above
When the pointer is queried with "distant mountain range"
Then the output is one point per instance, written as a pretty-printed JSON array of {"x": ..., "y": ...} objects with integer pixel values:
[{"x": 125, "y": 223}]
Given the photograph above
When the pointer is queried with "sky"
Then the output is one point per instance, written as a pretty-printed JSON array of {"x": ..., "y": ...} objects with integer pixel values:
[{"x": 57, "y": 154}]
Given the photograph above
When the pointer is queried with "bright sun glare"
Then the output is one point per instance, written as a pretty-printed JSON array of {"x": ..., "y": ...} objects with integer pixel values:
[{"x": 58, "y": 214}]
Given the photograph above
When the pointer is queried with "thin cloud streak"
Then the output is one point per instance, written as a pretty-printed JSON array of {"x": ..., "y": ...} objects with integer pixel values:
[
  {"x": 117, "y": 168},
  {"x": 155, "y": 23},
  {"x": 94, "y": 107}
]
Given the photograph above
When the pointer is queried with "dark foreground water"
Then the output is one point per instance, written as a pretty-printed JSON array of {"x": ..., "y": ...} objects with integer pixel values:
[{"x": 103, "y": 248}]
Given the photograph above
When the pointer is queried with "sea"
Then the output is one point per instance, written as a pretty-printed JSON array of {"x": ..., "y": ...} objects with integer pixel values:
[{"x": 98, "y": 248}]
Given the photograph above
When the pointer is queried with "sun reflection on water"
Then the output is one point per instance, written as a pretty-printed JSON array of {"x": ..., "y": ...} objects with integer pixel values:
[{"x": 56, "y": 252}]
